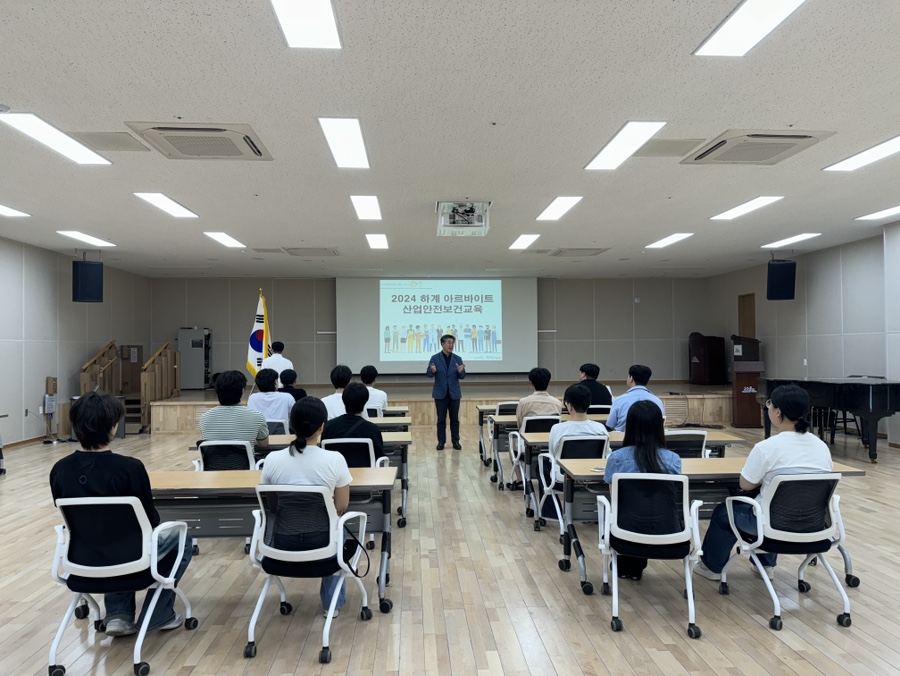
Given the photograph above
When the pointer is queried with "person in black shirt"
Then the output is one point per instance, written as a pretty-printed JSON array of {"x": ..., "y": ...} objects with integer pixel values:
[
  {"x": 96, "y": 471},
  {"x": 352, "y": 425},
  {"x": 599, "y": 392},
  {"x": 288, "y": 377}
]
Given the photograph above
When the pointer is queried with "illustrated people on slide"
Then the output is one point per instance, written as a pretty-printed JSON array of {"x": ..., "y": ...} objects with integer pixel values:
[
  {"x": 474, "y": 338},
  {"x": 387, "y": 339},
  {"x": 467, "y": 337},
  {"x": 447, "y": 369},
  {"x": 410, "y": 338},
  {"x": 419, "y": 336},
  {"x": 487, "y": 338},
  {"x": 396, "y": 337},
  {"x": 495, "y": 336},
  {"x": 426, "y": 338}
]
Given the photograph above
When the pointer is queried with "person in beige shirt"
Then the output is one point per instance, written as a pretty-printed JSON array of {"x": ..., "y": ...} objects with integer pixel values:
[{"x": 539, "y": 402}]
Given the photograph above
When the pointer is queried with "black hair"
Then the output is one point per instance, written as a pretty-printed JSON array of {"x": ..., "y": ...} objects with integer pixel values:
[
  {"x": 640, "y": 374},
  {"x": 539, "y": 377},
  {"x": 577, "y": 398},
  {"x": 368, "y": 374},
  {"x": 793, "y": 402},
  {"x": 230, "y": 387},
  {"x": 592, "y": 371},
  {"x": 644, "y": 430},
  {"x": 307, "y": 416},
  {"x": 355, "y": 396},
  {"x": 277, "y": 346},
  {"x": 446, "y": 337},
  {"x": 288, "y": 377},
  {"x": 340, "y": 376},
  {"x": 266, "y": 380},
  {"x": 93, "y": 417}
]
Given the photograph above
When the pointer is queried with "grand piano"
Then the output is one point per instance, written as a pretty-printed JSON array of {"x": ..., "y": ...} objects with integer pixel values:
[{"x": 869, "y": 399}]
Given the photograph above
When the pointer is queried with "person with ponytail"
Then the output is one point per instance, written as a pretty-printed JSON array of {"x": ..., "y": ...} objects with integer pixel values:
[
  {"x": 643, "y": 450},
  {"x": 304, "y": 463},
  {"x": 792, "y": 450}
]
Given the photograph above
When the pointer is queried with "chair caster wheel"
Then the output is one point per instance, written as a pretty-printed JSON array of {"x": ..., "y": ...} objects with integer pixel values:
[
  {"x": 247, "y": 548},
  {"x": 852, "y": 581},
  {"x": 604, "y": 589},
  {"x": 723, "y": 589},
  {"x": 385, "y": 605},
  {"x": 400, "y": 510},
  {"x": 494, "y": 479},
  {"x": 500, "y": 487},
  {"x": 365, "y": 614},
  {"x": 565, "y": 564},
  {"x": 587, "y": 587},
  {"x": 99, "y": 626},
  {"x": 56, "y": 670},
  {"x": 370, "y": 544},
  {"x": 82, "y": 611},
  {"x": 401, "y": 523},
  {"x": 694, "y": 631},
  {"x": 141, "y": 669},
  {"x": 529, "y": 512},
  {"x": 195, "y": 549},
  {"x": 537, "y": 526},
  {"x": 285, "y": 608},
  {"x": 191, "y": 623},
  {"x": 803, "y": 585},
  {"x": 776, "y": 623},
  {"x": 487, "y": 463},
  {"x": 542, "y": 521},
  {"x": 325, "y": 656},
  {"x": 250, "y": 650},
  {"x": 615, "y": 624},
  {"x": 844, "y": 619}
]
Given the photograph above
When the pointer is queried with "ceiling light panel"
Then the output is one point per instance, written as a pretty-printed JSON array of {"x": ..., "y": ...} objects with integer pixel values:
[
  {"x": 746, "y": 208},
  {"x": 558, "y": 208},
  {"x": 366, "y": 206},
  {"x": 42, "y": 132},
  {"x": 12, "y": 213},
  {"x": 523, "y": 242},
  {"x": 377, "y": 241},
  {"x": 167, "y": 204},
  {"x": 790, "y": 240},
  {"x": 225, "y": 240},
  {"x": 87, "y": 239},
  {"x": 749, "y": 24},
  {"x": 866, "y": 157},
  {"x": 671, "y": 239},
  {"x": 308, "y": 24},
  {"x": 624, "y": 144},
  {"x": 344, "y": 137},
  {"x": 878, "y": 215}
]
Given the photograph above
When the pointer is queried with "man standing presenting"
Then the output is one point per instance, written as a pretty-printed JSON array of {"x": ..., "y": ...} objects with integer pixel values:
[{"x": 447, "y": 369}]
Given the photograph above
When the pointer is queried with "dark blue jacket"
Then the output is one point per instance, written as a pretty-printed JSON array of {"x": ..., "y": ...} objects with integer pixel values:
[{"x": 445, "y": 379}]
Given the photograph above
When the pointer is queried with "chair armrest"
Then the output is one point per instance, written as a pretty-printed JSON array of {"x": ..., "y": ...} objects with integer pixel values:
[
  {"x": 695, "y": 526},
  {"x": 706, "y": 452},
  {"x": 179, "y": 527},
  {"x": 198, "y": 467},
  {"x": 838, "y": 520},
  {"x": 554, "y": 472},
  {"x": 603, "y": 522},
  {"x": 515, "y": 446},
  {"x": 757, "y": 512},
  {"x": 58, "y": 554},
  {"x": 383, "y": 462},
  {"x": 255, "y": 558},
  {"x": 259, "y": 463},
  {"x": 342, "y": 522}
]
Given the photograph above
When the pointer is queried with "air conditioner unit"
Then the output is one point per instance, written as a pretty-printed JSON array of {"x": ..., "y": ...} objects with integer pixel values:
[
  {"x": 462, "y": 219},
  {"x": 201, "y": 141},
  {"x": 760, "y": 147}
]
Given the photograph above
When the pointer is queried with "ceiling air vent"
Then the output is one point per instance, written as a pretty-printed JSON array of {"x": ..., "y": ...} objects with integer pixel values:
[
  {"x": 577, "y": 253},
  {"x": 462, "y": 219},
  {"x": 311, "y": 252},
  {"x": 747, "y": 146},
  {"x": 200, "y": 141}
]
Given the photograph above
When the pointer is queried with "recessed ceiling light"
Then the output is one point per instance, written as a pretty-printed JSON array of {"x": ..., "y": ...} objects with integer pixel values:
[
  {"x": 745, "y": 208},
  {"x": 308, "y": 24},
  {"x": 558, "y": 208},
  {"x": 790, "y": 240},
  {"x": 887, "y": 213},
  {"x": 377, "y": 241},
  {"x": 12, "y": 213},
  {"x": 344, "y": 137},
  {"x": 859, "y": 160},
  {"x": 33, "y": 126},
  {"x": 625, "y": 144},
  {"x": 225, "y": 239},
  {"x": 749, "y": 24},
  {"x": 671, "y": 239},
  {"x": 87, "y": 239},
  {"x": 167, "y": 204},
  {"x": 366, "y": 206},
  {"x": 524, "y": 241}
]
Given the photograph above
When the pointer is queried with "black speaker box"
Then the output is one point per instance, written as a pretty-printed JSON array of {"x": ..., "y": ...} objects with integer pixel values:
[
  {"x": 781, "y": 280},
  {"x": 87, "y": 282}
]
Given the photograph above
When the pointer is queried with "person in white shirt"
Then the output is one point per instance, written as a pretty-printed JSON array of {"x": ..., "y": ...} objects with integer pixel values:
[
  {"x": 793, "y": 450},
  {"x": 377, "y": 398},
  {"x": 276, "y": 362},
  {"x": 334, "y": 403},
  {"x": 272, "y": 404},
  {"x": 304, "y": 463},
  {"x": 577, "y": 399}
]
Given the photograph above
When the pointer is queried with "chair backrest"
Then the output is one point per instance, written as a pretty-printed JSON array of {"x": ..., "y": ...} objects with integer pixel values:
[
  {"x": 278, "y": 426},
  {"x": 357, "y": 452},
  {"x": 687, "y": 443},
  {"x": 799, "y": 508},
  {"x": 506, "y": 408},
  {"x": 114, "y": 530},
  {"x": 299, "y": 523},
  {"x": 599, "y": 408},
  {"x": 584, "y": 447},
  {"x": 645, "y": 508},
  {"x": 539, "y": 423},
  {"x": 374, "y": 412},
  {"x": 217, "y": 456}
]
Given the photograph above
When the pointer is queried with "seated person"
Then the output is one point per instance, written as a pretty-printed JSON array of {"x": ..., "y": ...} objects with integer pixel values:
[
  {"x": 288, "y": 378},
  {"x": 791, "y": 450},
  {"x": 638, "y": 377},
  {"x": 538, "y": 403},
  {"x": 600, "y": 394},
  {"x": 377, "y": 398},
  {"x": 274, "y": 405},
  {"x": 643, "y": 450},
  {"x": 303, "y": 463},
  {"x": 340, "y": 378},
  {"x": 229, "y": 421},
  {"x": 577, "y": 399},
  {"x": 96, "y": 472},
  {"x": 352, "y": 425}
]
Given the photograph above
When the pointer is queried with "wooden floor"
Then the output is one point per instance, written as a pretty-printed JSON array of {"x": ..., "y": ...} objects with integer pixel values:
[{"x": 475, "y": 591}]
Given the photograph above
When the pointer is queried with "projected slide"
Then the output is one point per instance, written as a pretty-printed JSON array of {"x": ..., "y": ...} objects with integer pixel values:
[{"x": 414, "y": 314}]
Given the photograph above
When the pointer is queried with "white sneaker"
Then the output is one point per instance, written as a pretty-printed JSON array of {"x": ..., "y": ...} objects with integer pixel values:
[
  {"x": 174, "y": 623},
  {"x": 336, "y": 613},
  {"x": 701, "y": 570},
  {"x": 119, "y": 627},
  {"x": 770, "y": 570}
]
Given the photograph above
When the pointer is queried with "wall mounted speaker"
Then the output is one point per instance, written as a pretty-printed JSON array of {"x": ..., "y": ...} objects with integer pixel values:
[
  {"x": 781, "y": 280},
  {"x": 87, "y": 282}
]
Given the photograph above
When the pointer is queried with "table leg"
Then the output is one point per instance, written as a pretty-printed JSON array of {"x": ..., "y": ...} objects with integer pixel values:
[
  {"x": 565, "y": 562},
  {"x": 869, "y": 434},
  {"x": 384, "y": 575},
  {"x": 528, "y": 485},
  {"x": 498, "y": 466},
  {"x": 404, "y": 485},
  {"x": 481, "y": 448}
]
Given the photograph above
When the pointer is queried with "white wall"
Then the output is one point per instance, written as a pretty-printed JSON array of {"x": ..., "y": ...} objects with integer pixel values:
[{"x": 892, "y": 314}]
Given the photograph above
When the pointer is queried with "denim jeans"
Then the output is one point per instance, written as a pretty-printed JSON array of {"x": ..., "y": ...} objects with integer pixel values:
[
  {"x": 327, "y": 589},
  {"x": 121, "y": 605},
  {"x": 720, "y": 539}
]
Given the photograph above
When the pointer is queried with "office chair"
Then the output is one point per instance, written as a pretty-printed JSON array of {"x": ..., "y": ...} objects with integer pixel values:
[
  {"x": 298, "y": 534},
  {"x": 551, "y": 476},
  {"x": 221, "y": 456},
  {"x": 535, "y": 423},
  {"x": 374, "y": 412},
  {"x": 599, "y": 408},
  {"x": 278, "y": 426},
  {"x": 643, "y": 519},
  {"x": 502, "y": 408},
  {"x": 687, "y": 443},
  {"x": 133, "y": 563}
]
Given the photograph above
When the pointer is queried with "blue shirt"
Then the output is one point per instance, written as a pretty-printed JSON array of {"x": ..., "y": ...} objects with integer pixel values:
[
  {"x": 623, "y": 461},
  {"x": 619, "y": 411}
]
